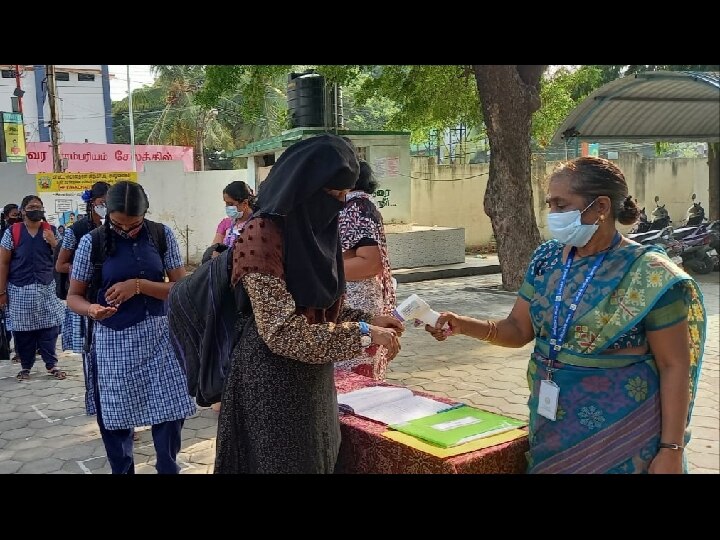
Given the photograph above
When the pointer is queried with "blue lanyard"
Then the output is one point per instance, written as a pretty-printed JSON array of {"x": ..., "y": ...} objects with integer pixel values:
[{"x": 556, "y": 341}]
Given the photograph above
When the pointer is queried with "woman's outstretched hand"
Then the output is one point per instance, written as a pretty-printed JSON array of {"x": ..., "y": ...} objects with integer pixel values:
[{"x": 441, "y": 332}]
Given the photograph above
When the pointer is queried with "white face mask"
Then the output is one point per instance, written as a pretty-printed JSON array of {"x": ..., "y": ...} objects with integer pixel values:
[
  {"x": 567, "y": 228},
  {"x": 100, "y": 210}
]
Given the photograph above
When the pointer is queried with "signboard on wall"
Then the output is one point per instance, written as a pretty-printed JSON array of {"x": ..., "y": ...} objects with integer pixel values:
[
  {"x": 12, "y": 148},
  {"x": 61, "y": 193},
  {"x": 64, "y": 182},
  {"x": 91, "y": 157}
]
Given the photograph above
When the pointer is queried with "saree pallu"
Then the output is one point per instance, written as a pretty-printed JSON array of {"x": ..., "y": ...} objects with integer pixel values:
[{"x": 609, "y": 415}]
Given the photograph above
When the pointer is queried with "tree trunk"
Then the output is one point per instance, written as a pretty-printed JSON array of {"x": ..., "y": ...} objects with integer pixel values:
[
  {"x": 509, "y": 96},
  {"x": 714, "y": 181}
]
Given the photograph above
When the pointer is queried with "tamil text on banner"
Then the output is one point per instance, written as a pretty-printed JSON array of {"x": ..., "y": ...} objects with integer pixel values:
[
  {"x": 61, "y": 193},
  {"x": 90, "y": 157},
  {"x": 13, "y": 137}
]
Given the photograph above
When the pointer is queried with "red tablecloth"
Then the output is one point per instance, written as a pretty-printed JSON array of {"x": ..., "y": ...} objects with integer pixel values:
[{"x": 365, "y": 450}]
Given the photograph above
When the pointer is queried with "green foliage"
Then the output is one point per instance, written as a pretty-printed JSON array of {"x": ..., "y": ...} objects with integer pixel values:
[
  {"x": 148, "y": 106},
  {"x": 427, "y": 97},
  {"x": 415, "y": 98},
  {"x": 665, "y": 149},
  {"x": 561, "y": 92},
  {"x": 373, "y": 114}
]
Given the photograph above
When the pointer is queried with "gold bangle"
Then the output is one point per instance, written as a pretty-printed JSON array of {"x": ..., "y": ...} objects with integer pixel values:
[
  {"x": 488, "y": 332},
  {"x": 492, "y": 332},
  {"x": 137, "y": 285}
]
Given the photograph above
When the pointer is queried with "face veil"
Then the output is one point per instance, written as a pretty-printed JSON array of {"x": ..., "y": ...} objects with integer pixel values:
[{"x": 294, "y": 193}]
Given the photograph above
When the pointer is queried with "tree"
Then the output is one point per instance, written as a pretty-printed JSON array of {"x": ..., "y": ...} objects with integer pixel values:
[{"x": 510, "y": 95}]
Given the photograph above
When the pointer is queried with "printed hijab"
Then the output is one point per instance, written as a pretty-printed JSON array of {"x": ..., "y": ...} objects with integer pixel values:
[{"x": 293, "y": 191}]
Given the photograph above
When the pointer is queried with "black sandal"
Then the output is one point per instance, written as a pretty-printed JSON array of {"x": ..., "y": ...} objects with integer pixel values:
[
  {"x": 24, "y": 375},
  {"x": 57, "y": 373}
]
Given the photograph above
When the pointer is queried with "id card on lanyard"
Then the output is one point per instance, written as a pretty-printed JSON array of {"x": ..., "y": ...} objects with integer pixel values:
[{"x": 549, "y": 390}]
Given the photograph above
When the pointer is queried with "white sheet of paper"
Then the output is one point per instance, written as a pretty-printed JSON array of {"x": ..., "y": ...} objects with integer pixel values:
[{"x": 390, "y": 405}]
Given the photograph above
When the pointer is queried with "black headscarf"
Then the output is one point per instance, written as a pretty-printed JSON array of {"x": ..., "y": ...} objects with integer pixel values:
[{"x": 294, "y": 191}]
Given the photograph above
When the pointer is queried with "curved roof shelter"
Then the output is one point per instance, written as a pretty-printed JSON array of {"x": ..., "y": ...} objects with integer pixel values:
[{"x": 675, "y": 106}]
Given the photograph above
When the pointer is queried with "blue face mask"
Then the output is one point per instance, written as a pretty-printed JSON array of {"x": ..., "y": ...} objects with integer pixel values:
[
  {"x": 232, "y": 212},
  {"x": 567, "y": 228}
]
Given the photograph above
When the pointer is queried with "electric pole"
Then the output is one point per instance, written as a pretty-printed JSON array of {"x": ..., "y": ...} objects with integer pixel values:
[
  {"x": 52, "y": 95},
  {"x": 132, "y": 123}
]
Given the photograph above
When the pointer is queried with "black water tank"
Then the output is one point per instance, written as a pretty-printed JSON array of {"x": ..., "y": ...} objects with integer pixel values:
[{"x": 311, "y": 104}]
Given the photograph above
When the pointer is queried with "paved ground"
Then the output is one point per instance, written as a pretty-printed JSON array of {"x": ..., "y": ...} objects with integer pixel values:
[{"x": 43, "y": 428}]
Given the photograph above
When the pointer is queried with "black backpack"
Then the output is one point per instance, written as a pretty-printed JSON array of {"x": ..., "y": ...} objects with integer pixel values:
[
  {"x": 203, "y": 314},
  {"x": 97, "y": 259}
]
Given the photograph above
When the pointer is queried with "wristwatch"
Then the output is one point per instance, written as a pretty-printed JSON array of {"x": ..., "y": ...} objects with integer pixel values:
[{"x": 365, "y": 339}]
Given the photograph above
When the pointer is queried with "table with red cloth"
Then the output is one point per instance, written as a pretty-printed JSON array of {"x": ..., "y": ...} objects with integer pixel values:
[{"x": 365, "y": 450}]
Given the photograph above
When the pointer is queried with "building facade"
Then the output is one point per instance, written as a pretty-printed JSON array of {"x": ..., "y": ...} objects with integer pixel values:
[{"x": 83, "y": 101}]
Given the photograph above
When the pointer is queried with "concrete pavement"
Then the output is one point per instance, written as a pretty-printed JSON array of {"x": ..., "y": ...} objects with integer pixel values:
[{"x": 43, "y": 428}]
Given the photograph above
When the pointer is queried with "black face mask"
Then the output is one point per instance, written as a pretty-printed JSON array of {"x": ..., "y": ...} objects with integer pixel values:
[
  {"x": 35, "y": 215},
  {"x": 13, "y": 220}
]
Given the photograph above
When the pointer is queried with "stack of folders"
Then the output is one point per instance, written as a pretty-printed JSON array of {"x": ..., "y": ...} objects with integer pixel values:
[{"x": 457, "y": 426}]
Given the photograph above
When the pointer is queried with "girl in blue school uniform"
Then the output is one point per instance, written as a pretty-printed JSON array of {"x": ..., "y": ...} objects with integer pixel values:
[
  {"x": 27, "y": 287},
  {"x": 73, "y": 328},
  {"x": 137, "y": 380}
]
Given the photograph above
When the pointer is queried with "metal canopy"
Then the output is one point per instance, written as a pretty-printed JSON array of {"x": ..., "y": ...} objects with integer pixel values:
[{"x": 675, "y": 106}]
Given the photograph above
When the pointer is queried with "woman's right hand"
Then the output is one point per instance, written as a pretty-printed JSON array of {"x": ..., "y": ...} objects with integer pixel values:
[
  {"x": 98, "y": 312},
  {"x": 454, "y": 326},
  {"x": 3, "y": 301},
  {"x": 388, "y": 338}
]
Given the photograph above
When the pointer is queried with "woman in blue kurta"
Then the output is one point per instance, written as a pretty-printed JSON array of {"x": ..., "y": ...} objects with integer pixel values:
[
  {"x": 619, "y": 332},
  {"x": 137, "y": 378},
  {"x": 27, "y": 285}
]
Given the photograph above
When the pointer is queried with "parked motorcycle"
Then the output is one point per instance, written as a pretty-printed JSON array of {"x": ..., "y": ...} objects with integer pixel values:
[
  {"x": 642, "y": 225},
  {"x": 695, "y": 214},
  {"x": 660, "y": 216},
  {"x": 698, "y": 254},
  {"x": 660, "y": 220},
  {"x": 673, "y": 248},
  {"x": 694, "y": 217}
]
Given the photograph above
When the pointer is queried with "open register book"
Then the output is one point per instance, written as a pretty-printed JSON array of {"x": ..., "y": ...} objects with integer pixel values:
[
  {"x": 389, "y": 404},
  {"x": 458, "y": 426}
]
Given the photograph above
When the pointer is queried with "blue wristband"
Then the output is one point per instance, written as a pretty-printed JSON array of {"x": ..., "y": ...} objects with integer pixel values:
[{"x": 364, "y": 328}]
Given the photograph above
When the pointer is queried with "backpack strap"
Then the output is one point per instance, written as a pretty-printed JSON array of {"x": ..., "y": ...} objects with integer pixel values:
[
  {"x": 97, "y": 259},
  {"x": 157, "y": 235},
  {"x": 16, "y": 231}
]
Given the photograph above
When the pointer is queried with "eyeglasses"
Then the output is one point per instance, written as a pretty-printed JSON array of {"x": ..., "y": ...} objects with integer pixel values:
[{"x": 34, "y": 208}]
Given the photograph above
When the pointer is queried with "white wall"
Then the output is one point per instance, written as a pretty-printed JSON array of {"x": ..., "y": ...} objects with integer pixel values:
[
  {"x": 15, "y": 183},
  {"x": 453, "y": 195},
  {"x": 190, "y": 203}
]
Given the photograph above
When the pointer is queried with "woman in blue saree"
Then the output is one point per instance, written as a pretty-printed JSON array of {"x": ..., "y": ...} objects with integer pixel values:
[{"x": 619, "y": 331}]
